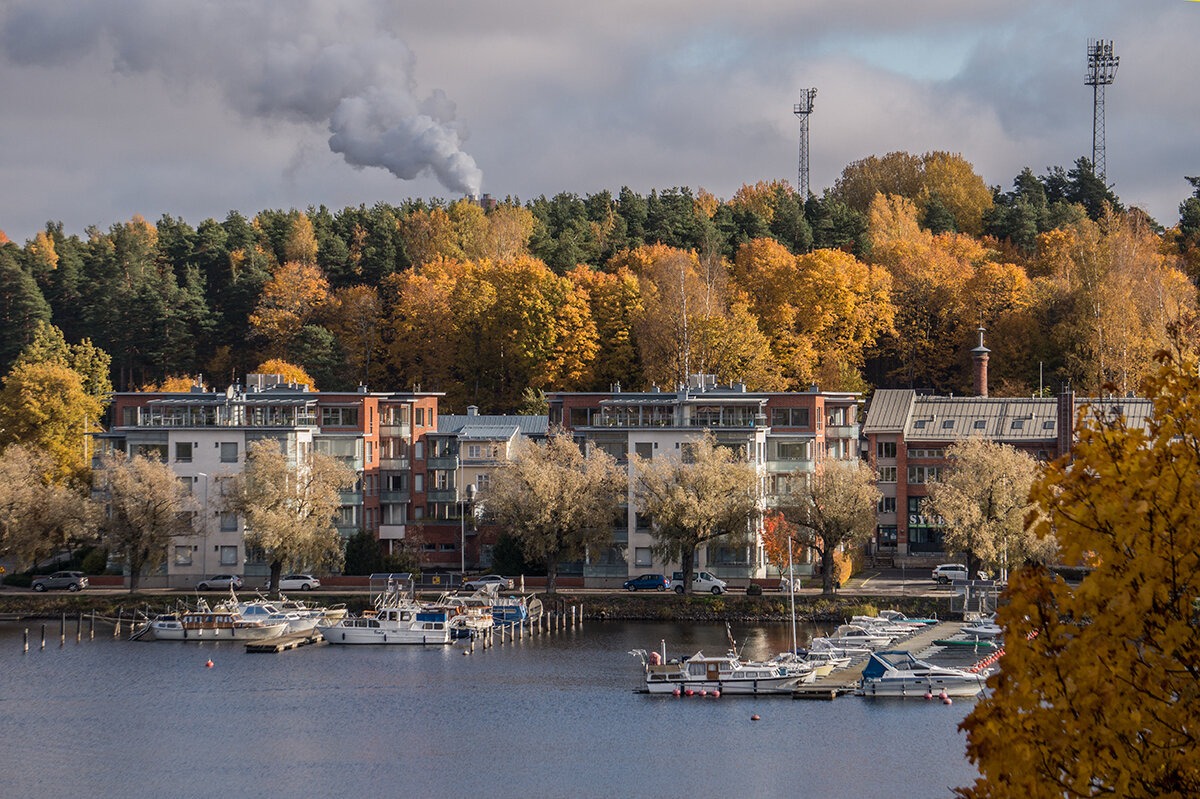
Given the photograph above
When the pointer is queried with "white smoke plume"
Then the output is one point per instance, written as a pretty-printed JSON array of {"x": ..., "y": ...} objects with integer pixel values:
[{"x": 270, "y": 60}]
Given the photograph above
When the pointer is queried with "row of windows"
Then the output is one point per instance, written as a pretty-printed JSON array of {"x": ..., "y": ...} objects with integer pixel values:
[
  {"x": 981, "y": 424},
  {"x": 226, "y": 555}
]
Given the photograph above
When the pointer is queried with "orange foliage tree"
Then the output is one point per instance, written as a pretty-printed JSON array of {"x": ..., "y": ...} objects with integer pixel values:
[{"x": 290, "y": 372}]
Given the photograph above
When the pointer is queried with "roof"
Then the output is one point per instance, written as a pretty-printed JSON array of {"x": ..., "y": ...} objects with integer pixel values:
[
  {"x": 492, "y": 428},
  {"x": 888, "y": 410},
  {"x": 1013, "y": 419}
]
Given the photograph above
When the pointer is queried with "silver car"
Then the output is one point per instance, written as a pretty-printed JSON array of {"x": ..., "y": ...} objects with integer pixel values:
[{"x": 71, "y": 581}]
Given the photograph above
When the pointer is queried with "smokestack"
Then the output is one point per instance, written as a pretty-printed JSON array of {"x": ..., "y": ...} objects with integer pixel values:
[{"x": 979, "y": 358}]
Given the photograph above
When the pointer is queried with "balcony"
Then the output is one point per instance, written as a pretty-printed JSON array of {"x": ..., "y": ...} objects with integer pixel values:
[
  {"x": 441, "y": 495},
  {"x": 443, "y": 462},
  {"x": 394, "y": 497}
]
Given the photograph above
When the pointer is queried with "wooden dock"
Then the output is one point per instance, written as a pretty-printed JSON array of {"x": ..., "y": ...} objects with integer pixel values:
[
  {"x": 845, "y": 681},
  {"x": 293, "y": 641}
]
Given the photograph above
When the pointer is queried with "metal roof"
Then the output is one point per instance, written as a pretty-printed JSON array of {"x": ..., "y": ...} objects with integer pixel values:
[
  {"x": 1015, "y": 419},
  {"x": 888, "y": 410},
  {"x": 492, "y": 428}
]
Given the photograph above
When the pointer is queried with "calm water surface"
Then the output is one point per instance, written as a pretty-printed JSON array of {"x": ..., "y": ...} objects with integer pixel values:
[{"x": 545, "y": 717}]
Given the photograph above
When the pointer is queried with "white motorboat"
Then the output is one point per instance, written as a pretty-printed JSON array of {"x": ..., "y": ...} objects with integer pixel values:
[
  {"x": 404, "y": 623},
  {"x": 213, "y": 625},
  {"x": 985, "y": 628},
  {"x": 724, "y": 673},
  {"x": 901, "y": 674},
  {"x": 834, "y": 650},
  {"x": 824, "y": 662},
  {"x": 270, "y": 613},
  {"x": 318, "y": 612},
  {"x": 859, "y": 637},
  {"x": 885, "y": 626},
  {"x": 897, "y": 616},
  {"x": 469, "y": 616}
]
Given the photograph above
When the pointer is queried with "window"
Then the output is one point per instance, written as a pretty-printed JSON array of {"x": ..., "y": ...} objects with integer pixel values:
[
  {"x": 789, "y": 417},
  {"x": 980, "y": 424},
  {"x": 924, "y": 474},
  {"x": 641, "y": 556},
  {"x": 183, "y": 452},
  {"x": 447, "y": 547},
  {"x": 418, "y": 512},
  {"x": 887, "y": 474},
  {"x": 229, "y": 522},
  {"x": 339, "y": 417},
  {"x": 420, "y": 417},
  {"x": 886, "y": 535},
  {"x": 419, "y": 483},
  {"x": 129, "y": 417},
  {"x": 440, "y": 479},
  {"x": 793, "y": 450},
  {"x": 919, "y": 424},
  {"x": 1018, "y": 424},
  {"x": 368, "y": 455},
  {"x": 347, "y": 516},
  {"x": 483, "y": 482},
  {"x": 183, "y": 556},
  {"x": 615, "y": 448},
  {"x": 419, "y": 450},
  {"x": 947, "y": 424},
  {"x": 1048, "y": 425},
  {"x": 644, "y": 450},
  {"x": 887, "y": 504},
  {"x": 885, "y": 449},
  {"x": 229, "y": 452},
  {"x": 229, "y": 555}
]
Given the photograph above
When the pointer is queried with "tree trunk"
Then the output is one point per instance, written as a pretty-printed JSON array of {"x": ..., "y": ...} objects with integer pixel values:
[
  {"x": 827, "y": 571},
  {"x": 135, "y": 570},
  {"x": 551, "y": 574},
  {"x": 689, "y": 567},
  {"x": 276, "y": 570}
]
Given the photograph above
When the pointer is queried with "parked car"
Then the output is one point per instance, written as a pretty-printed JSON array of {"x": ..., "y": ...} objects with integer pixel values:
[
  {"x": 219, "y": 581},
  {"x": 647, "y": 582},
  {"x": 475, "y": 583},
  {"x": 71, "y": 581},
  {"x": 701, "y": 582},
  {"x": 298, "y": 582},
  {"x": 946, "y": 573}
]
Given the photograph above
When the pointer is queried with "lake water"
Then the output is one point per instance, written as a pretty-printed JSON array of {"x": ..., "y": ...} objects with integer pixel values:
[{"x": 549, "y": 716}]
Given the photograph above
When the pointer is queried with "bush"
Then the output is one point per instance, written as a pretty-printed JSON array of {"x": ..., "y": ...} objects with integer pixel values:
[
  {"x": 94, "y": 562},
  {"x": 18, "y": 580},
  {"x": 754, "y": 589}
]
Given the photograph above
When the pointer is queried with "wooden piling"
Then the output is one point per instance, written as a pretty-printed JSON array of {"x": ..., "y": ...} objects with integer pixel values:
[
  {"x": 62, "y": 629},
  {"x": 43, "y": 636},
  {"x": 117, "y": 629},
  {"x": 79, "y": 627},
  {"x": 92, "y": 628},
  {"x": 26, "y": 644}
]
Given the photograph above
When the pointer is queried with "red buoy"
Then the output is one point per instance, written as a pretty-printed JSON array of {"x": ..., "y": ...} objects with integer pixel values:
[
  {"x": 690, "y": 692},
  {"x": 675, "y": 692},
  {"x": 716, "y": 693},
  {"x": 928, "y": 695},
  {"x": 947, "y": 701},
  {"x": 754, "y": 717},
  {"x": 209, "y": 664}
]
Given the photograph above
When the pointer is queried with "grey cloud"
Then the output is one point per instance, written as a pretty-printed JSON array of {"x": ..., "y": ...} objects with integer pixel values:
[{"x": 268, "y": 63}]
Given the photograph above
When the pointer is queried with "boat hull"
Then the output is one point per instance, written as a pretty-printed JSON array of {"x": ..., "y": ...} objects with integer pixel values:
[
  {"x": 915, "y": 686},
  {"x": 770, "y": 685},
  {"x": 180, "y": 633},
  {"x": 338, "y": 634}
]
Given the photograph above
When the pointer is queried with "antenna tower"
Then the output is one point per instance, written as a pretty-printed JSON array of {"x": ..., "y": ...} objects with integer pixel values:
[
  {"x": 1102, "y": 70},
  {"x": 803, "y": 109}
]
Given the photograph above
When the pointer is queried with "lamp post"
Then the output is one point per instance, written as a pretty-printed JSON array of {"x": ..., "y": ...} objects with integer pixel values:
[{"x": 462, "y": 513}]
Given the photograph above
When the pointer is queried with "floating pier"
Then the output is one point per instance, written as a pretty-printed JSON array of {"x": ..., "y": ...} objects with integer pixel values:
[
  {"x": 285, "y": 642},
  {"x": 845, "y": 681}
]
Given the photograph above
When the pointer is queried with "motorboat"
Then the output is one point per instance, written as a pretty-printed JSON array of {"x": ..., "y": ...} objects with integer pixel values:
[
  {"x": 835, "y": 650},
  {"x": 824, "y": 662},
  {"x": 982, "y": 629},
  {"x": 267, "y": 611},
  {"x": 392, "y": 624},
  {"x": 469, "y": 616},
  {"x": 897, "y": 616},
  {"x": 319, "y": 612},
  {"x": 725, "y": 673},
  {"x": 898, "y": 673},
  {"x": 208, "y": 624},
  {"x": 798, "y": 665},
  {"x": 881, "y": 625},
  {"x": 859, "y": 637}
]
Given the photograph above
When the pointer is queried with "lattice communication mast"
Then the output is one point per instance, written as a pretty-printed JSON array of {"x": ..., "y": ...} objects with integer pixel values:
[
  {"x": 1102, "y": 70},
  {"x": 803, "y": 109}
]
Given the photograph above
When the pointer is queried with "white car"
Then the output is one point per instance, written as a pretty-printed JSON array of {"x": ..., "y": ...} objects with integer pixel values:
[
  {"x": 702, "y": 582},
  {"x": 946, "y": 573},
  {"x": 298, "y": 582},
  {"x": 475, "y": 583}
]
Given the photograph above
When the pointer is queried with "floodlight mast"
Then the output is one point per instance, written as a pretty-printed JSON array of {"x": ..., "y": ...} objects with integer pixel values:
[
  {"x": 1102, "y": 70},
  {"x": 803, "y": 110}
]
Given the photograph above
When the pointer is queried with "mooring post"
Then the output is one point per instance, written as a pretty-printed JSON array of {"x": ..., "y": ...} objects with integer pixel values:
[
  {"x": 43, "y": 636},
  {"x": 62, "y": 629},
  {"x": 26, "y": 647},
  {"x": 79, "y": 627},
  {"x": 92, "y": 627},
  {"x": 117, "y": 628}
]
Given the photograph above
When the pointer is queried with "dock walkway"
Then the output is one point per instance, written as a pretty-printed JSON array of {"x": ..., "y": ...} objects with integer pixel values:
[
  {"x": 284, "y": 642},
  {"x": 844, "y": 681}
]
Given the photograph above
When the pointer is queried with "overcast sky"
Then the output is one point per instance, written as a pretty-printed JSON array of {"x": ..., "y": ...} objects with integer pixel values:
[{"x": 121, "y": 107}]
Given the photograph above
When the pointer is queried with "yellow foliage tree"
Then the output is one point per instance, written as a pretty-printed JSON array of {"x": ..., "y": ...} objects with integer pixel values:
[
  {"x": 46, "y": 407},
  {"x": 171, "y": 384},
  {"x": 1100, "y": 684},
  {"x": 301, "y": 244},
  {"x": 290, "y": 372},
  {"x": 294, "y": 295}
]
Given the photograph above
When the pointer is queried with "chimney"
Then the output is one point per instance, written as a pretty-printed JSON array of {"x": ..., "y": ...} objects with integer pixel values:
[
  {"x": 472, "y": 410},
  {"x": 979, "y": 359}
]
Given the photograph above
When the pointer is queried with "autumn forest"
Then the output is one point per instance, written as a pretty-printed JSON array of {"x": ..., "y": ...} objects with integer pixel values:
[{"x": 880, "y": 282}]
